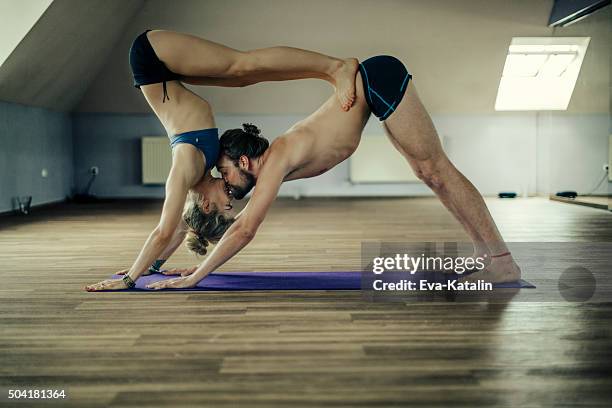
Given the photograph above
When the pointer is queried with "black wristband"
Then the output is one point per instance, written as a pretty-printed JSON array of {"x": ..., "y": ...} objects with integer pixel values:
[{"x": 155, "y": 268}]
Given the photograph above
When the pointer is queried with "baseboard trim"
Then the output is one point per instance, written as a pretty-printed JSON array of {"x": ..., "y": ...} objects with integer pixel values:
[{"x": 42, "y": 206}]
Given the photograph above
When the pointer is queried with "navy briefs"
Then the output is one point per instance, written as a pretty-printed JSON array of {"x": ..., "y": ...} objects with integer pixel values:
[
  {"x": 207, "y": 140},
  {"x": 147, "y": 68},
  {"x": 385, "y": 80}
]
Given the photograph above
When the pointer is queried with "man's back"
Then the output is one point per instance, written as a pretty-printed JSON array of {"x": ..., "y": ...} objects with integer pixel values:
[{"x": 321, "y": 141}]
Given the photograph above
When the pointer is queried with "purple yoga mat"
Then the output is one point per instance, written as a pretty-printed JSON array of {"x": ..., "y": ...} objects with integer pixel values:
[{"x": 237, "y": 281}]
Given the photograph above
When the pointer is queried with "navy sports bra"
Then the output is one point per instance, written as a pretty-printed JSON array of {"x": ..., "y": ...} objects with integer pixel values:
[{"x": 207, "y": 140}]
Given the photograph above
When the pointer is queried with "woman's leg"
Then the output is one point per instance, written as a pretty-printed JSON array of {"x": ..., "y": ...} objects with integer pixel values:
[{"x": 194, "y": 57}]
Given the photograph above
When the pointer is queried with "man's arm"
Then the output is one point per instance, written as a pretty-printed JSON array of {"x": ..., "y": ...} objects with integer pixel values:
[
  {"x": 177, "y": 239},
  {"x": 243, "y": 230}
]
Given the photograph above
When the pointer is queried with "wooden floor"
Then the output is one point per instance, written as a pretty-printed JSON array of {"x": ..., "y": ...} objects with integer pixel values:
[{"x": 290, "y": 349}]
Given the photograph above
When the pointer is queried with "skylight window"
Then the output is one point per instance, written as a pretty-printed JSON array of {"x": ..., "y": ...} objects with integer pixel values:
[{"x": 540, "y": 73}]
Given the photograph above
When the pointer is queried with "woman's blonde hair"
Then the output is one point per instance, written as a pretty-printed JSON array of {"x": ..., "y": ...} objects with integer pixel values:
[{"x": 203, "y": 228}]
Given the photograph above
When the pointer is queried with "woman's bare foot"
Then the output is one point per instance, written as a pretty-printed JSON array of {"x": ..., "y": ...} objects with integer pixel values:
[
  {"x": 125, "y": 271},
  {"x": 344, "y": 80},
  {"x": 499, "y": 270}
]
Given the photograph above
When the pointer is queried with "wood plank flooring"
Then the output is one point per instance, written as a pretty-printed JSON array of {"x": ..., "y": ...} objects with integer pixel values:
[{"x": 290, "y": 349}]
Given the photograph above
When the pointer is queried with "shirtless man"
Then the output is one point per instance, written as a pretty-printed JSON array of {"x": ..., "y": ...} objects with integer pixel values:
[{"x": 328, "y": 137}]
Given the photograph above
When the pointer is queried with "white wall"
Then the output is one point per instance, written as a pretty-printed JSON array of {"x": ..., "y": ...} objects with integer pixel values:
[
  {"x": 533, "y": 153},
  {"x": 572, "y": 151},
  {"x": 33, "y": 139}
]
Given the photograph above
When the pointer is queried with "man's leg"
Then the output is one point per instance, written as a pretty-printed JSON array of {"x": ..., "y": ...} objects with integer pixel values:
[
  {"x": 412, "y": 132},
  {"x": 194, "y": 57}
]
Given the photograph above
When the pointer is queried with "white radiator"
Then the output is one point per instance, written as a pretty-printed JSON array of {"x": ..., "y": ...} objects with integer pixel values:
[
  {"x": 377, "y": 161},
  {"x": 156, "y": 160}
]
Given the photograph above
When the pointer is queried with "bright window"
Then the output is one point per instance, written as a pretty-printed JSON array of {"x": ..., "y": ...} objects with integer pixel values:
[{"x": 540, "y": 73}]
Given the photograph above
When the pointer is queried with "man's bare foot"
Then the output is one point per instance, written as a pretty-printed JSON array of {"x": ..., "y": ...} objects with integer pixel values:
[
  {"x": 499, "y": 270},
  {"x": 344, "y": 80}
]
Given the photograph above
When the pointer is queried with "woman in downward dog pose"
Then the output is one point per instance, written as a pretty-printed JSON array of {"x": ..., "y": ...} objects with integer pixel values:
[{"x": 161, "y": 62}]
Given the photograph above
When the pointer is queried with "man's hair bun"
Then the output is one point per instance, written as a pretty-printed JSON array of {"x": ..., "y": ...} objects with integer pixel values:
[
  {"x": 246, "y": 141},
  {"x": 251, "y": 129}
]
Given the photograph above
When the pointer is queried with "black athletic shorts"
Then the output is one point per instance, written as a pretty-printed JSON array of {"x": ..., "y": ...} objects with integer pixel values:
[
  {"x": 385, "y": 80},
  {"x": 146, "y": 67}
]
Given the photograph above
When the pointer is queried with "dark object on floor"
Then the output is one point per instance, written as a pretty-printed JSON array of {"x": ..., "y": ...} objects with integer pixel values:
[
  {"x": 23, "y": 204},
  {"x": 86, "y": 196},
  {"x": 507, "y": 194},
  {"x": 567, "y": 194}
]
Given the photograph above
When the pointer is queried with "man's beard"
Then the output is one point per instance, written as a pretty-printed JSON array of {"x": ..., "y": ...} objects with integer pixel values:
[{"x": 238, "y": 192}]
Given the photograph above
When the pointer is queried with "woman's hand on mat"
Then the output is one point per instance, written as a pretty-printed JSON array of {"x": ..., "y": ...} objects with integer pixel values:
[
  {"x": 108, "y": 284},
  {"x": 180, "y": 271},
  {"x": 184, "y": 282}
]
